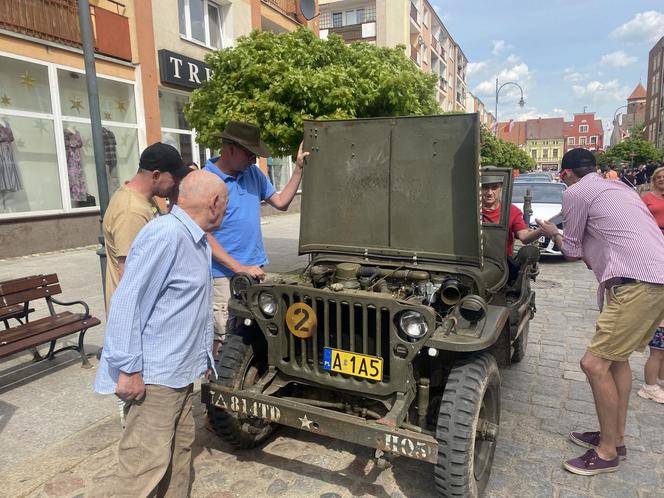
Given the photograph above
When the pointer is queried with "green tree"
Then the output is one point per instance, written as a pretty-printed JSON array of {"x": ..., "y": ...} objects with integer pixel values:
[
  {"x": 632, "y": 150},
  {"x": 498, "y": 152},
  {"x": 279, "y": 80}
]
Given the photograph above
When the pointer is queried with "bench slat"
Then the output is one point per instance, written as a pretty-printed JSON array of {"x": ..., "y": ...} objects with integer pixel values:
[
  {"x": 21, "y": 284},
  {"x": 39, "y": 326},
  {"x": 29, "y": 295},
  {"x": 15, "y": 311},
  {"x": 56, "y": 333}
]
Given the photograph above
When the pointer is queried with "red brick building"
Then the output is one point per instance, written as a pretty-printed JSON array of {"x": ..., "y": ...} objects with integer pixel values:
[{"x": 584, "y": 131}]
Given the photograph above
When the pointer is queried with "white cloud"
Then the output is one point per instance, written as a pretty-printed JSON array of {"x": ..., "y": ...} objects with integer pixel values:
[
  {"x": 487, "y": 87},
  {"x": 475, "y": 67},
  {"x": 559, "y": 113},
  {"x": 617, "y": 59},
  {"x": 645, "y": 27},
  {"x": 531, "y": 113},
  {"x": 573, "y": 76},
  {"x": 499, "y": 46},
  {"x": 518, "y": 73},
  {"x": 513, "y": 59},
  {"x": 598, "y": 92}
]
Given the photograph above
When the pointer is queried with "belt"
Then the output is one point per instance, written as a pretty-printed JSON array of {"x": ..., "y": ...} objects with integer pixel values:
[{"x": 624, "y": 280}]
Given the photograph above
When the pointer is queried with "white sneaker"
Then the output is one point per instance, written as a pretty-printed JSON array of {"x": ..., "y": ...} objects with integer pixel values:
[
  {"x": 655, "y": 393},
  {"x": 660, "y": 382}
]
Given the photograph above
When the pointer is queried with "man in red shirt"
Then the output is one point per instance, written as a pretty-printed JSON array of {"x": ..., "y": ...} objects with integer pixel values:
[{"x": 492, "y": 196}]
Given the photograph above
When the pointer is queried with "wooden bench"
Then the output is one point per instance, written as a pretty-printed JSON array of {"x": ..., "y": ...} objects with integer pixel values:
[{"x": 15, "y": 298}]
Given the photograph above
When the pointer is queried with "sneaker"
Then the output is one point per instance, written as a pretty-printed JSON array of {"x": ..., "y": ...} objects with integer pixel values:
[
  {"x": 590, "y": 440},
  {"x": 654, "y": 393},
  {"x": 590, "y": 464}
]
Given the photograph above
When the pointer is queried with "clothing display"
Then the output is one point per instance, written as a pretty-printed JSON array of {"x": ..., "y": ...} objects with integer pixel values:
[
  {"x": 78, "y": 188},
  {"x": 111, "y": 160},
  {"x": 10, "y": 178}
]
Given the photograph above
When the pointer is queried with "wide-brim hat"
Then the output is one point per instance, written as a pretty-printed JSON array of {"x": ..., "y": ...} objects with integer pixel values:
[{"x": 246, "y": 135}]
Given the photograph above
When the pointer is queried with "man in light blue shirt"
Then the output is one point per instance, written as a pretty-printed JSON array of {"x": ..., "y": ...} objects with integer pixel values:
[
  {"x": 159, "y": 339},
  {"x": 238, "y": 245}
]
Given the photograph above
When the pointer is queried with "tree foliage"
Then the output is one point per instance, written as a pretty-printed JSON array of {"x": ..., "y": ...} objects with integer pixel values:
[
  {"x": 631, "y": 150},
  {"x": 279, "y": 80},
  {"x": 498, "y": 152}
]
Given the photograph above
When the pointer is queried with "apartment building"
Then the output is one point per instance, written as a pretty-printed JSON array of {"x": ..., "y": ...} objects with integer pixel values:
[
  {"x": 149, "y": 57},
  {"x": 654, "y": 131},
  {"x": 545, "y": 142},
  {"x": 412, "y": 23},
  {"x": 584, "y": 131}
]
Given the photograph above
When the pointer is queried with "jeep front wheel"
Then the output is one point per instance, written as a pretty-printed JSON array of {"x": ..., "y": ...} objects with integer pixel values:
[
  {"x": 467, "y": 427},
  {"x": 239, "y": 367}
]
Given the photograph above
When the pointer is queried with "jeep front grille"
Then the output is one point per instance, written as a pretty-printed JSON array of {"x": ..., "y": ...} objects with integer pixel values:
[{"x": 358, "y": 327}]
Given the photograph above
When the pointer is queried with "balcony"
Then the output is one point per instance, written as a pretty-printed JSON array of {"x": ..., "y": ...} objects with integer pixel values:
[
  {"x": 355, "y": 32},
  {"x": 286, "y": 7},
  {"x": 57, "y": 21},
  {"x": 415, "y": 14}
]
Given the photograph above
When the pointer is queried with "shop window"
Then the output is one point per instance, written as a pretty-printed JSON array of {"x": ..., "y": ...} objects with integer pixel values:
[
  {"x": 183, "y": 143},
  {"x": 29, "y": 177},
  {"x": 279, "y": 170},
  {"x": 24, "y": 86},
  {"x": 201, "y": 21},
  {"x": 116, "y": 99},
  {"x": 174, "y": 128}
]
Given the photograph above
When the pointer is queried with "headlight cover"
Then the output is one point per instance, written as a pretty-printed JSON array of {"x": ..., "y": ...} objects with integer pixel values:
[
  {"x": 239, "y": 284},
  {"x": 413, "y": 324},
  {"x": 267, "y": 304}
]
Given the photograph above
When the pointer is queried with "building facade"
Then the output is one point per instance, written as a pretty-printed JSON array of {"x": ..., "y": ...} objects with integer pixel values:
[
  {"x": 412, "y": 23},
  {"x": 635, "y": 115},
  {"x": 145, "y": 72},
  {"x": 584, "y": 131},
  {"x": 513, "y": 132},
  {"x": 544, "y": 142},
  {"x": 654, "y": 131}
]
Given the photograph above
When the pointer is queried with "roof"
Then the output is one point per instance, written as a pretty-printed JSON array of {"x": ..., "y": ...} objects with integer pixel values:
[
  {"x": 512, "y": 131},
  {"x": 638, "y": 93},
  {"x": 544, "y": 128}
]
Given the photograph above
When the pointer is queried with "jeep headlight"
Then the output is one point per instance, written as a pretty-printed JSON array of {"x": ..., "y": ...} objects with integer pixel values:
[
  {"x": 239, "y": 284},
  {"x": 413, "y": 324},
  {"x": 267, "y": 304}
]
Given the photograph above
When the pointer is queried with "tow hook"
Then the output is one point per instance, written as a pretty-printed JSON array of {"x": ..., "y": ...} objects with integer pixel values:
[{"x": 486, "y": 431}]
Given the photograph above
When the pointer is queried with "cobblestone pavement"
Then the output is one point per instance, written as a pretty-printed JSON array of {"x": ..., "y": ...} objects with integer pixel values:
[{"x": 58, "y": 439}]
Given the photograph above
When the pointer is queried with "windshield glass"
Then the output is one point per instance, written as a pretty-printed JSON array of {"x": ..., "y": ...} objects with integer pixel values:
[{"x": 545, "y": 193}]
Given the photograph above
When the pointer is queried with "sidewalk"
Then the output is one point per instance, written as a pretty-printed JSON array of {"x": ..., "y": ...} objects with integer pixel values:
[{"x": 60, "y": 439}]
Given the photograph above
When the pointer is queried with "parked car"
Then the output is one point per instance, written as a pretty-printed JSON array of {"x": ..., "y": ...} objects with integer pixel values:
[
  {"x": 547, "y": 200},
  {"x": 535, "y": 176}
]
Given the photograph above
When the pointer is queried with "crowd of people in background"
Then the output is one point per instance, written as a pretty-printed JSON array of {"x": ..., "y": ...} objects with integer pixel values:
[{"x": 636, "y": 177}]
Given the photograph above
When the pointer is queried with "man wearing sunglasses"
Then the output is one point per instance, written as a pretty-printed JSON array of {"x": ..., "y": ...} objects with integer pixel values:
[
  {"x": 609, "y": 227},
  {"x": 238, "y": 245}
]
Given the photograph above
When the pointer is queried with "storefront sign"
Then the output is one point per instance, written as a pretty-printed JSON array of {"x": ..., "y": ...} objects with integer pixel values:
[{"x": 180, "y": 70}]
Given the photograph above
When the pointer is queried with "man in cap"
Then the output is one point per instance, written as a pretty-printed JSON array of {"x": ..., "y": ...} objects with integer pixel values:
[
  {"x": 607, "y": 224},
  {"x": 238, "y": 245},
  {"x": 160, "y": 170},
  {"x": 492, "y": 198}
]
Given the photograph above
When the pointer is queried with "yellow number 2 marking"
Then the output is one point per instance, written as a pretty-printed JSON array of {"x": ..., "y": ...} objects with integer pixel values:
[{"x": 301, "y": 320}]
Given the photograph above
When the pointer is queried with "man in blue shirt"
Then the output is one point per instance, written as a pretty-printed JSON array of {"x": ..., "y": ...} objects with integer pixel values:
[
  {"x": 238, "y": 245},
  {"x": 159, "y": 339}
]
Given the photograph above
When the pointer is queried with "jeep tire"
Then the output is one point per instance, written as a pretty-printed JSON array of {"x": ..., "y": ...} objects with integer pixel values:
[
  {"x": 467, "y": 427},
  {"x": 520, "y": 345},
  {"x": 239, "y": 367}
]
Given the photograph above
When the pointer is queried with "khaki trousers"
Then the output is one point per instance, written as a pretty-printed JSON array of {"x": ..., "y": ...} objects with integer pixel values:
[
  {"x": 221, "y": 293},
  {"x": 154, "y": 457}
]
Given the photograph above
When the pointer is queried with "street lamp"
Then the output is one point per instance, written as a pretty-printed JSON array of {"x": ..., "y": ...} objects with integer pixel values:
[{"x": 498, "y": 89}]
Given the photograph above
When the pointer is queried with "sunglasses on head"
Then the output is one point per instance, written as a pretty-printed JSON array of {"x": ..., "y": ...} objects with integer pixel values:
[{"x": 563, "y": 173}]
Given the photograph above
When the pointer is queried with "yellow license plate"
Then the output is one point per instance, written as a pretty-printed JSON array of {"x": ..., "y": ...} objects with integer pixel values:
[{"x": 359, "y": 365}]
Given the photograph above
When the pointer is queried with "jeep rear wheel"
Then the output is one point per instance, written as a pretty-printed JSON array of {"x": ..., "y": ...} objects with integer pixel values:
[
  {"x": 239, "y": 367},
  {"x": 467, "y": 427},
  {"x": 520, "y": 345}
]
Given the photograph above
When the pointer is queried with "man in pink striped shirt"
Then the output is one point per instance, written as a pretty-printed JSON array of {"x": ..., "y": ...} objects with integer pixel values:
[{"x": 608, "y": 226}]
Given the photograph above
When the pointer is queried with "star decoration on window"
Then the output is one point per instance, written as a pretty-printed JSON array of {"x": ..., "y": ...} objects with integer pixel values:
[
  {"x": 107, "y": 116},
  {"x": 76, "y": 104},
  {"x": 39, "y": 124},
  {"x": 121, "y": 105},
  {"x": 27, "y": 80},
  {"x": 5, "y": 100}
]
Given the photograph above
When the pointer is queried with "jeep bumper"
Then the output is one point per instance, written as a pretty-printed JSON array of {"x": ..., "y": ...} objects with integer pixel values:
[{"x": 322, "y": 421}]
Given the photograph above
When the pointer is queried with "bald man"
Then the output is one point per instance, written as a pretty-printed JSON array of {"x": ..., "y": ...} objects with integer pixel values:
[{"x": 159, "y": 339}]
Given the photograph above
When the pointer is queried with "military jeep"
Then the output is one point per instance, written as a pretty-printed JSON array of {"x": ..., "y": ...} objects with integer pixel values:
[{"x": 392, "y": 336}]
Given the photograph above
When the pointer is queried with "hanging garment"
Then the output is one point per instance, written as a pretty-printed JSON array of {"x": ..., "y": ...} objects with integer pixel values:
[
  {"x": 10, "y": 178},
  {"x": 78, "y": 188},
  {"x": 111, "y": 161}
]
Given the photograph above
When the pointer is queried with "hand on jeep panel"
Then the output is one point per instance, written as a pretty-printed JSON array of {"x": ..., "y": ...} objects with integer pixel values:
[
  {"x": 253, "y": 271},
  {"x": 130, "y": 386},
  {"x": 301, "y": 156}
]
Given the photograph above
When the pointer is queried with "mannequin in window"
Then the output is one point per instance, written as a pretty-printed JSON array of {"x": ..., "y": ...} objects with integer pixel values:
[{"x": 78, "y": 188}]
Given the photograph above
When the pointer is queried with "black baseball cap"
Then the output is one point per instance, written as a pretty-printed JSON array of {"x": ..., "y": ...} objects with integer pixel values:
[
  {"x": 165, "y": 158},
  {"x": 578, "y": 158}
]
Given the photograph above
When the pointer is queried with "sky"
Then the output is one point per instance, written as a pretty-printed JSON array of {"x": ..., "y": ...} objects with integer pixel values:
[{"x": 565, "y": 54}]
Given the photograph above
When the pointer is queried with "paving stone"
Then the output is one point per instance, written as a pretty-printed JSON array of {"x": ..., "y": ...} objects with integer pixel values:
[
  {"x": 574, "y": 375},
  {"x": 277, "y": 488},
  {"x": 570, "y": 481},
  {"x": 612, "y": 488},
  {"x": 580, "y": 406}
]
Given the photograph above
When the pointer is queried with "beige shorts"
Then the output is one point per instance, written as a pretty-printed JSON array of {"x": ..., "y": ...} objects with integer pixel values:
[
  {"x": 628, "y": 320},
  {"x": 220, "y": 296}
]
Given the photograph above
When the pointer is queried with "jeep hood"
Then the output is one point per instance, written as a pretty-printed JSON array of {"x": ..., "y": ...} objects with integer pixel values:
[{"x": 403, "y": 188}]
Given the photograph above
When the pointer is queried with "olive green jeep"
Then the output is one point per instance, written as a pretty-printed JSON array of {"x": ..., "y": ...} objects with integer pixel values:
[{"x": 392, "y": 336}]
